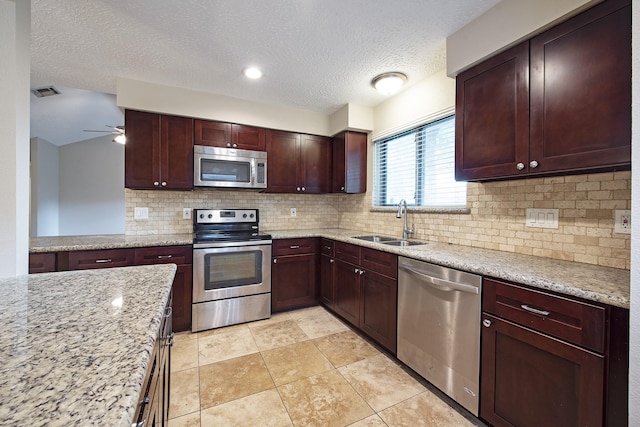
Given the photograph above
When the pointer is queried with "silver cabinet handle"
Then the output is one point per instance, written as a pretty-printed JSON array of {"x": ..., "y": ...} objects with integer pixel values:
[
  {"x": 341, "y": 188},
  {"x": 520, "y": 166},
  {"x": 298, "y": 188},
  {"x": 486, "y": 323},
  {"x": 102, "y": 261},
  {"x": 164, "y": 256},
  {"x": 164, "y": 183},
  {"x": 361, "y": 272},
  {"x": 235, "y": 145},
  {"x": 328, "y": 247},
  {"x": 331, "y": 261},
  {"x": 275, "y": 260},
  {"x": 294, "y": 246},
  {"x": 156, "y": 183},
  {"x": 535, "y": 310},
  {"x": 355, "y": 270},
  {"x": 533, "y": 164},
  {"x": 168, "y": 311},
  {"x": 304, "y": 189},
  {"x": 228, "y": 144}
]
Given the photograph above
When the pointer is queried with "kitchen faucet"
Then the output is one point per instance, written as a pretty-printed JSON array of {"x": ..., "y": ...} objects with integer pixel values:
[{"x": 405, "y": 230}]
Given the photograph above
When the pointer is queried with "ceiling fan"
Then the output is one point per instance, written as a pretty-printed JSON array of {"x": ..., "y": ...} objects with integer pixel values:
[{"x": 118, "y": 131}]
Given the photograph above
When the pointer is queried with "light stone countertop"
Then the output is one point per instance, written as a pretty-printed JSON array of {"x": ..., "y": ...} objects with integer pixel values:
[
  {"x": 591, "y": 282},
  {"x": 105, "y": 241},
  {"x": 74, "y": 346}
]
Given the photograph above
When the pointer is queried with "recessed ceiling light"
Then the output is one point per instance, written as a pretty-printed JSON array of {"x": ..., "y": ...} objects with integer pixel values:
[
  {"x": 389, "y": 83},
  {"x": 252, "y": 72}
]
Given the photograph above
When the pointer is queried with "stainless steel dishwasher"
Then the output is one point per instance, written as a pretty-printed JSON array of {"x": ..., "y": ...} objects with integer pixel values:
[{"x": 439, "y": 327}]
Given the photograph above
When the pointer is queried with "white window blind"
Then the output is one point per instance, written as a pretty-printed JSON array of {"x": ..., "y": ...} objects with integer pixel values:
[{"x": 418, "y": 165}]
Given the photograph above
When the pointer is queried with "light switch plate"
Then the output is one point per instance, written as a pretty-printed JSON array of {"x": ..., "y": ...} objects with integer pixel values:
[
  {"x": 186, "y": 213},
  {"x": 141, "y": 213},
  {"x": 542, "y": 218},
  {"x": 622, "y": 222}
]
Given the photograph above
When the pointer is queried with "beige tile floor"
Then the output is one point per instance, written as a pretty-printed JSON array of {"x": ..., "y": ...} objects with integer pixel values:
[{"x": 300, "y": 368}]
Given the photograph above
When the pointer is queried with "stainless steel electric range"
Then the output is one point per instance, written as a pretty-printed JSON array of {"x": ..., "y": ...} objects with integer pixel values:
[{"x": 231, "y": 268}]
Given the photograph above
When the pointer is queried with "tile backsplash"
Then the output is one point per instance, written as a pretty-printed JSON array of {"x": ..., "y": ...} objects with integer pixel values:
[{"x": 495, "y": 220}]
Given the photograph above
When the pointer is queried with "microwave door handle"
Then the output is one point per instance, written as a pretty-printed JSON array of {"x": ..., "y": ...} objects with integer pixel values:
[{"x": 254, "y": 172}]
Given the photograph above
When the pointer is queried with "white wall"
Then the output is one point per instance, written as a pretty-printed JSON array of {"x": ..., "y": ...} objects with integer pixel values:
[
  {"x": 634, "y": 353},
  {"x": 44, "y": 188},
  {"x": 145, "y": 96},
  {"x": 92, "y": 187},
  {"x": 15, "y": 29},
  {"x": 503, "y": 25}
]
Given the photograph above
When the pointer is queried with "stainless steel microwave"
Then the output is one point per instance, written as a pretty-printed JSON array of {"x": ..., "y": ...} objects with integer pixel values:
[{"x": 229, "y": 168}]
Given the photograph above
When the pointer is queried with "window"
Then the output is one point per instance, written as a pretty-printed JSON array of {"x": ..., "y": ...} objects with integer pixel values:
[{"x": 418, "y": 165}]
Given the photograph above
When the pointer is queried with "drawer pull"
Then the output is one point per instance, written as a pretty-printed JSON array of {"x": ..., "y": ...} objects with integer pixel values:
[
  {"x": 102, "y": 261},
  {"x": 165, "y": 256},
  {"x": 534, "y": 310},
  {"x": 328, "y": 247},
  {"x": 294, "y": 246}
]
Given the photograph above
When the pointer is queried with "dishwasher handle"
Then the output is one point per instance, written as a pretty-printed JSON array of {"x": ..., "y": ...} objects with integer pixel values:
[{"x": 444, "y": 285}]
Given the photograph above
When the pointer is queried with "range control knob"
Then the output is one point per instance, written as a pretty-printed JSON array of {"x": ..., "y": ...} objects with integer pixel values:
[
  {"x": 251, "y": 215},
  {"x": 201, "y": 215},
  {"x": 244, "y": 215},
  {"x": 210, "y": 216}
]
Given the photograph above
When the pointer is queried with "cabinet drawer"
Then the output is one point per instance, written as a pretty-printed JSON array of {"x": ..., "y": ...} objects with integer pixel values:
[
  {"x": 164, "y": 254},
  {"x": 574, "y": 321},
  {"x": 42, "y": 262},
  {"x": 305, "y": 245},
  {"x": 326, "y": 247},
  {"x": 347, "y": 252},
  {"x": 380, "y": 262},
  {"x": 84, "y": 260}
]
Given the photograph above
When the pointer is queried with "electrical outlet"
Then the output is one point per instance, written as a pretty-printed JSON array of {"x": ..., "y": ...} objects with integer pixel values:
[
  {"x": 294, "y": 212},
  {"x": 141, "y": 213},
  {"x": 186, "y": 213},
  {"x": 623, "y": 222},
  {"x": 542, "y": 218}
]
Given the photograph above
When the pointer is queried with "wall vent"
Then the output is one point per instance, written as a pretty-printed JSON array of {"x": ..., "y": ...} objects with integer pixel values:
[{"x": 45, "y": 91}]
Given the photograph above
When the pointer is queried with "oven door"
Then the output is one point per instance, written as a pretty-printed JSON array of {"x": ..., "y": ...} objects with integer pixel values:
[{"x": 232, "y": 270}]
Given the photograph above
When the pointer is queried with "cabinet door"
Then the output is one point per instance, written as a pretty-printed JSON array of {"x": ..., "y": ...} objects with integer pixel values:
[
  {"x": 42, "y": 262},
  {"x": 315, "y": 159},
  {"x": 182, "y": 298},
  {"x": 142, "y": 150},
  {"x": 213, "y": 134},
  {"x": 107, "y": 258},
  {"x": 531, "y": 380},
  {"x": 248, "y": 137},
  {"x": 293, "y": 282},
  {"x": 581, "y": 91},
  {"x": 283, "y": 154},
  {"x": 327, "y": 280},
  {"x": 349, "y": 163},
  {"x": 347, "y": 292},
  {"x": 176, "y": 140},
  {"x": 492, "y": 117},
  {"x": 378, "y": 308}
]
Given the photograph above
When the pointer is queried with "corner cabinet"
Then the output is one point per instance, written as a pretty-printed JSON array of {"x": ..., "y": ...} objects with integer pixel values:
[
  {"x": 230, "y": 135},
  {"x": 159, "y": 151},
  {"x": 551, "y": 360},
  {"x": 298, "y": 163},
  {"x": 557, "y": 103},
  {"x": 349, "y": 163}
]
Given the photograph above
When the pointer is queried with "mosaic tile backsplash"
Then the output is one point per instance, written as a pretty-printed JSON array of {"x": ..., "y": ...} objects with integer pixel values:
[{"x": 496, "y": 217}]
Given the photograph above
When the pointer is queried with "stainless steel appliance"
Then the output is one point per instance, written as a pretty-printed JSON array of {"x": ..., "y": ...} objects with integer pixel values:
[
  {"x": 439, "y": 327},
  {"x": 229, "y": 168},
  {"x": 231, "y": 268}
]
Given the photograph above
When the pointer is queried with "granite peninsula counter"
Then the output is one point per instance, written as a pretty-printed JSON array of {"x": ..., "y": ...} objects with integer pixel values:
[{"x": 74, "y": 346}]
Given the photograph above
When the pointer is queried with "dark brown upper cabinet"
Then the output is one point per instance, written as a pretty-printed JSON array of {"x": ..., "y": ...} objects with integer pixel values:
[
  {"x": 298, "y": 163},
  {"x": 557, "y": 103},
  {"x": 349, "y": 163},
  {"x": 159, "y": 151},
  {"x": 219, "y": 134}
]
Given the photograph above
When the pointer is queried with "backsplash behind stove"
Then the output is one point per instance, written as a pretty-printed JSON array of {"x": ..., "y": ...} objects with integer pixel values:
[{"x": 496, "y": 218}]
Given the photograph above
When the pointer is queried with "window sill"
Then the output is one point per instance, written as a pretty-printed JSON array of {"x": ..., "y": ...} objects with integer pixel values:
[{"x": 423, "y": 209}]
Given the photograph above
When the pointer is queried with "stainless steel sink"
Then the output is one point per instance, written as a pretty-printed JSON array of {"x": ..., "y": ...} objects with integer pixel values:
[
  {"x": 376, "y": 238},
  {"x": 403, "y": 242}
]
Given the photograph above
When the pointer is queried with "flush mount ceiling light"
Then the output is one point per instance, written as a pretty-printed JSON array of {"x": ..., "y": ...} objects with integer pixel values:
[
  {"x": 389, "y": 83},
  {"x": 252, "y": 73}
]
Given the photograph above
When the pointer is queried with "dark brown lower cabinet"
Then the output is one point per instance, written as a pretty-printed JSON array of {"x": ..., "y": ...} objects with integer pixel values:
[
  {"x": 293, "y": 274},
  {"x": 365, "y": 294},
  {"x": 42, "y": 262},
  {"x": 327, "y": 282},
  {"x": 530, "y": 379}
]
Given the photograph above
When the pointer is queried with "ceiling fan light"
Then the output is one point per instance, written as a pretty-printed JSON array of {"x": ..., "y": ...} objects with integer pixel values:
[
  {"x": 389, "y": 83},
  {"x": 120, "y": 139}
]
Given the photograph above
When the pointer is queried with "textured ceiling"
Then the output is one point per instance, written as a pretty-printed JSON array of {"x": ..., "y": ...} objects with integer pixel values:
[{"x": 315, "y": 54}]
